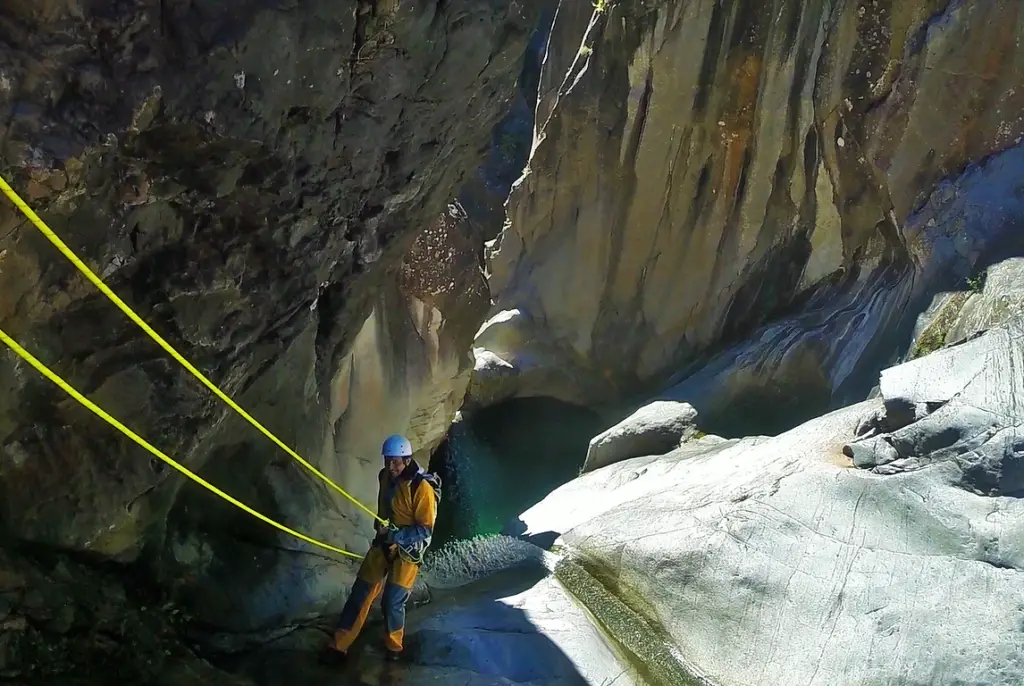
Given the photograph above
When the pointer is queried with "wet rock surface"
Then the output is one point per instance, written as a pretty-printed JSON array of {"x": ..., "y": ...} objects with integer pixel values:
[
  {"x": 514, "y": 628},
  {"x": 773, "y": 560}
]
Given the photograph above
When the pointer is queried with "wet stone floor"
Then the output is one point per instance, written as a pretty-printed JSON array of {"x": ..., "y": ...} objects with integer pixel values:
[{"x": 517, "y": 627}]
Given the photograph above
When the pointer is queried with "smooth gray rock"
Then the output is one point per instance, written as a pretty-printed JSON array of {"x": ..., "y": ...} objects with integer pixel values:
[
  {"x": 1000, "y": 302},
  {"x": 967, "y": 401},
  {"x": 772, "y": 561},
  {"x": 871, "y": 452},
  {"x": 654, "y": 429},
  {"x": 914, "y": 389}
]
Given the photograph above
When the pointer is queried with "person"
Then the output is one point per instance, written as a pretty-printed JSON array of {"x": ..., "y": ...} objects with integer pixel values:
[{"x": 408, "y": 499}]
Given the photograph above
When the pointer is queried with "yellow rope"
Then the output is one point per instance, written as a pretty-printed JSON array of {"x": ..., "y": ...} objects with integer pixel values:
[
  {"x": 102, "y": 414},
  {"x": 96, "y": 281}
]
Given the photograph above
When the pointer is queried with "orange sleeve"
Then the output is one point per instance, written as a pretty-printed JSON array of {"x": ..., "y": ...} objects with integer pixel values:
[{"x": 425, "y": 505}]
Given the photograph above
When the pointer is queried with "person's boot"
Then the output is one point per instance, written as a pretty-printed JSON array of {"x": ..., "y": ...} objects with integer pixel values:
[{"x": 392, "y": 656}]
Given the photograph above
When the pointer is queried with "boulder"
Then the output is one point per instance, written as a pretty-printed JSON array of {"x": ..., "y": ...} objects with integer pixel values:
[
  {"x": 994, "y": 297},
  {"x": 776, "y": 561},
  {"x": 654, "y": 429}
]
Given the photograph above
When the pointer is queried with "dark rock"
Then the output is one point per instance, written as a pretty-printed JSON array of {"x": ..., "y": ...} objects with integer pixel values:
[
  {"x": 250, "y": 178},
  {"x": 484, "y": 193},
  {"x": 67, "y": 620}
]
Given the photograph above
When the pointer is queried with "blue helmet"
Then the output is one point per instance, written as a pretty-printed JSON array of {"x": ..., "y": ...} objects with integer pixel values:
[{"x": 396, "y": 446}]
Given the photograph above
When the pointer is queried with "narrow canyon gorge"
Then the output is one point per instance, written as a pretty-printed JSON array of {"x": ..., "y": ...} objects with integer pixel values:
[{"x": 708, "y": 313}]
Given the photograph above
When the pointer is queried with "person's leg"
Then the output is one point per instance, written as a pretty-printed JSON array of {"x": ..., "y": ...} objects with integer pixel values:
[
  {"x": 401, "y": 578},
  {"x": 365, "y": 590}
]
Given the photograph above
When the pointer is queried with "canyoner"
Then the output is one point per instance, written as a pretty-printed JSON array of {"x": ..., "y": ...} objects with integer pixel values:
[{"x": 408, "y": 498}]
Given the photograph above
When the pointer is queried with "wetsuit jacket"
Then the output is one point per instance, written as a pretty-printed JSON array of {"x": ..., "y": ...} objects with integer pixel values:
[{"x": 408, "y": 501}]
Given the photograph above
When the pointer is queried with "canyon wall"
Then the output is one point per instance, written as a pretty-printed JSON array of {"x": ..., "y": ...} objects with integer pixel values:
[
  {"x": 702, "y": 169},
  {"x": 269, "y": 185}
]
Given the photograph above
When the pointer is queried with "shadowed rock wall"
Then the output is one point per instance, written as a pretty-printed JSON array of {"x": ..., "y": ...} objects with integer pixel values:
[{"x": 250, "y": 177}]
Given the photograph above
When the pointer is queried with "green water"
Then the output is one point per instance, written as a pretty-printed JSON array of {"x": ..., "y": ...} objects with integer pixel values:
[{"x": 501, "y": 460}]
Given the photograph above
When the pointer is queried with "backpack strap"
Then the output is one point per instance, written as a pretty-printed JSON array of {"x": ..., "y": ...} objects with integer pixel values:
[{"x": 430, "y": 477}]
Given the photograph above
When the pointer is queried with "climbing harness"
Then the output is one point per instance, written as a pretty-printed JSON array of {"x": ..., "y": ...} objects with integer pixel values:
[
  {"x": 130, "y": 313},
  {"x": 102, "y": 414},
  {"x": 96, "y": 281}
]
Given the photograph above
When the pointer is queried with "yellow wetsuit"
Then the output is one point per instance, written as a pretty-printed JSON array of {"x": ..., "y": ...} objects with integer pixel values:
[{"x": 392, "y": 563}]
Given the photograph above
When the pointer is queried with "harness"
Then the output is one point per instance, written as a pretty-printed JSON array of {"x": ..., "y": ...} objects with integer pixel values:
[{"x": 431, "y": 478}]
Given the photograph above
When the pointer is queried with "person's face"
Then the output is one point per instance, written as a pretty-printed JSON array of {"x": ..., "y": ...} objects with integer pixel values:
[{"x": 397, "y": 465}]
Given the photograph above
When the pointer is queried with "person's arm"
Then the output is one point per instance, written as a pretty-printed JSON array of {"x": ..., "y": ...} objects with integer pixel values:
[{"x": 425, "y": 512}]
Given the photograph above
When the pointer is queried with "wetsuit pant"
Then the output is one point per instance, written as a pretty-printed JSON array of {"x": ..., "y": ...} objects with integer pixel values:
[{"x": 379, "y": 571}]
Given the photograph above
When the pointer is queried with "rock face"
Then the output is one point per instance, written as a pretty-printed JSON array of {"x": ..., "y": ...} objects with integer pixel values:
[
  {"x": 701, "y": 168},
  {"x": 993, "y": 298},
  {"x": 410, "y": 364},
  {"x": 406, "y": 371},
  {"x": 60, "y": 617},
  {"x": 775, "y": 561},
  {"x": 249, "y": 178}
]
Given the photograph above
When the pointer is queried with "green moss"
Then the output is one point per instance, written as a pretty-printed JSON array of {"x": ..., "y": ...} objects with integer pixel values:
[
  {"x": 934, "y": 335},
  {"x": 647, "y": 647}
]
